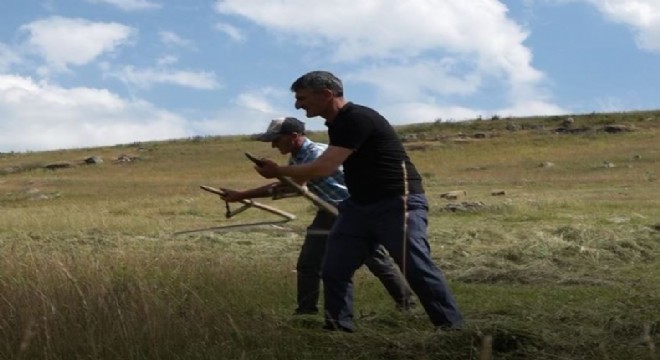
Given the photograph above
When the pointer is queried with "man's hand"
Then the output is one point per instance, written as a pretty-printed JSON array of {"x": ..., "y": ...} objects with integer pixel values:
[
  {"x": 231, "y": 195},
  {"x": 268, "y": 169}
]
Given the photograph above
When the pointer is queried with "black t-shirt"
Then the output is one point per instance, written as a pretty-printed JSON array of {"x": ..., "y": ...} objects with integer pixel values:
[{"x": 374, "y": 170}]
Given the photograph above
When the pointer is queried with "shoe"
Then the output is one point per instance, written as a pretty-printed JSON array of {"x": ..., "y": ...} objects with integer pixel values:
[
  {"x": 333, "y": 327},
  {"x": 445, "y": 329},
  {"x": 305, "y": 312},
  {"x": 406, "y": 306}
]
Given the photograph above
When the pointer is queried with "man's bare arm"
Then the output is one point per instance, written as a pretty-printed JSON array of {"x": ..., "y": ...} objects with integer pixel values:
[
  {"x": 258, "y": 192},
  {"x": 324, "y": 165}
]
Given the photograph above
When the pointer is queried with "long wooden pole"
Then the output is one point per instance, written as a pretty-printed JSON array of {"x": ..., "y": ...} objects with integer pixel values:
[{"x": 303, "y": 191}]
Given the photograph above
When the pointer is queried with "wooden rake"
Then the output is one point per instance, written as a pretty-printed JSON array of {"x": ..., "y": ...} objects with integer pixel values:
[{"x": 286, "y": 217}]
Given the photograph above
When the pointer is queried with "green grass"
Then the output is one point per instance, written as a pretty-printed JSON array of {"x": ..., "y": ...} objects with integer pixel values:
[{"x": 564, "y": 266}]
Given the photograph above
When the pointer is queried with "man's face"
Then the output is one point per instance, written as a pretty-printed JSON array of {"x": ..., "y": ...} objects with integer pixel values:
[
  {"x": 314, "y": 102},
  {"x": 283, "y": 143}
]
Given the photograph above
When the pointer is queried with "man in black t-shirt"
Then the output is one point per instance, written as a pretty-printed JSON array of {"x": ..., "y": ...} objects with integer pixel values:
[{"x": 386, "y": 206}]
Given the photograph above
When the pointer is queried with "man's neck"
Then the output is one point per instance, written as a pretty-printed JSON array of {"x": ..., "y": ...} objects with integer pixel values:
[{"x": 333, "y": 111}]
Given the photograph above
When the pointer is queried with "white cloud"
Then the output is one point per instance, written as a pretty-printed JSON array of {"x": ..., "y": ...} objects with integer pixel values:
[
  {"x": 416, "y": 112},
  {"x": 42, "y": 116},
  {"x": 642, "y": 15},
  {"x": 259, "y": 100},
  {"x": 421, "y": 79},
  {"x": 234, "y": 120},
  {"x": 63, "y": 41},
  {"x": 420, "y": 48},
  {"x": 395, "y": 29},
  {"x": 171, "y": 38},
  {"x": 250, "y": 112},
  {"x": 233, "y": 32},
  {"x": 255, "y": 102},
  {"x": 130, "y": 5},
  {"x": 167, "y": 60},
  {"x": 7, "y": 58},
  {"x": 145, "y": 78},
  {"x": 530, "y": 107}
]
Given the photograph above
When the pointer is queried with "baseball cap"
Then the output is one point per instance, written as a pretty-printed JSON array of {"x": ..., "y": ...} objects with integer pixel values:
[{"x": 281, "y": 126}]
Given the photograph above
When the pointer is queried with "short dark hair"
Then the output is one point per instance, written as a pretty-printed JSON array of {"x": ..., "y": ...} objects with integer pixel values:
[{"x": 319, "y": 80}]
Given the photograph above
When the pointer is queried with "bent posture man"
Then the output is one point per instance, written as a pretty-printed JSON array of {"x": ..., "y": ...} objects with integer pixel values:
[
  {"x": 386, "y": 206},
  {"x": 288, "y": 136}
]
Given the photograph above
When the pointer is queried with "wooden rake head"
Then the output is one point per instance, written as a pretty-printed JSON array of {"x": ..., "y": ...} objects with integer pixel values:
[{"x": 286, "y": 217}]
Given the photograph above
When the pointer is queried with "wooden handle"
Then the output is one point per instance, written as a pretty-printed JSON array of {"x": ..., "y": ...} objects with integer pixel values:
[
  {"x": 252, "y": 203},
  {"x": 303, "y": 191},
  {"x": 310, "y": 196}
]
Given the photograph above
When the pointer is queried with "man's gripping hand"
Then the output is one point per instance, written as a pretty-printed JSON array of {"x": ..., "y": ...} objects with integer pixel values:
[
  {"x": 268, "y": 169},
  {"x": 231, "y": 195}
]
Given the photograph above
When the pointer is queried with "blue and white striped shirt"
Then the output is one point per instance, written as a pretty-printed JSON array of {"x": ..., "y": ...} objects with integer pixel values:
[{"x": 330, "y": 188}]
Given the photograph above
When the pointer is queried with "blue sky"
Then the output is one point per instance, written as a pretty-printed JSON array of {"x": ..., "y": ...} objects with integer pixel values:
[{"x": 84, "y": 73}]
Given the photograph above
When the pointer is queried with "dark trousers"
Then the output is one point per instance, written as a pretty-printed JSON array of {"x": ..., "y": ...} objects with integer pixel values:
[
  {"x": 358, "y": 231},
  {"x": 310, "y": 262}
]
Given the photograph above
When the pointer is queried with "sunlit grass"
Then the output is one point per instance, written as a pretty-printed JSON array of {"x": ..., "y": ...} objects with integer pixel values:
[{"x": 564, "y": 265}]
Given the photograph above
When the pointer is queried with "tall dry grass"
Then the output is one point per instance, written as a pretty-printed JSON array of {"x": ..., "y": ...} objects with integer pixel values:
[{"x": 563, "y": 266}]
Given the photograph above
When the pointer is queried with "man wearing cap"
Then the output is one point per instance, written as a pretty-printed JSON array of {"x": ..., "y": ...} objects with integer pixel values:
[{"x": 288, "y": 136}]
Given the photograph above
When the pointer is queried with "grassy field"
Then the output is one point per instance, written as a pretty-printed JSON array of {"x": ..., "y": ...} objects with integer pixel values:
[{"x": 563, "y": 265}]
